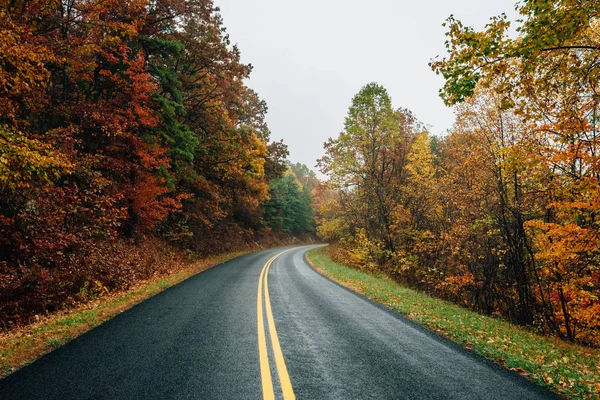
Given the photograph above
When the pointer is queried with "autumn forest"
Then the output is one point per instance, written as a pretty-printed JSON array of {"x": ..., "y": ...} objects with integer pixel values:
[
  {"x": 130, "y": 140},
  {"x": 501, "y": 214}
]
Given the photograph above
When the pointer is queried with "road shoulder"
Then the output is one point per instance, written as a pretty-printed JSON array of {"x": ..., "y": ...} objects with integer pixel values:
[{"x": 565, "y": 368}]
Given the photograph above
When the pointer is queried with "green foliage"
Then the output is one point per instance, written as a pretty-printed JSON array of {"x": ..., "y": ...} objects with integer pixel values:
[
  {"x": 367, "y": 167},
  {"x": 289, "y": 208},
  {"x": 558, "y": 29},
  {"x": 180, "y": 139}
]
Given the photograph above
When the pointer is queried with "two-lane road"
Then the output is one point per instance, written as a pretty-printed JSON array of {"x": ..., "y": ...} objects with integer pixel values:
[{"x": 260, "y": 325}]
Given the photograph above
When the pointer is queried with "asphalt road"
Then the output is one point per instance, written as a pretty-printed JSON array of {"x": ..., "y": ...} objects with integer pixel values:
[{"x": 312, "y": 339}]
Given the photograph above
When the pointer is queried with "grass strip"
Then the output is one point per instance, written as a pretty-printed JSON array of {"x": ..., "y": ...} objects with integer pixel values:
[
  {"x": 22, "y": 346},
  {"x": 570, "y": 370}
]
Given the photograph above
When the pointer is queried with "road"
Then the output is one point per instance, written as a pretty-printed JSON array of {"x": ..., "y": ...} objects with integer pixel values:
[{"x": 312, "y": 339}]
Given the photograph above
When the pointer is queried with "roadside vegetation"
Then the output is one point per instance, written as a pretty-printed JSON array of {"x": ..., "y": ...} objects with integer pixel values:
[
  {"x": 21, "y": 346},
  {"x": 566, "y": 368},
  {"x": 24, "y": 344},
  {"x": 501, "y": 214},
  {"x": 129, "y": 142}
]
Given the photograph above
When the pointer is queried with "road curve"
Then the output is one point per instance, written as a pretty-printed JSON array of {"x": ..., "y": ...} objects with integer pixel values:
[{"x": 202, "y": 339}]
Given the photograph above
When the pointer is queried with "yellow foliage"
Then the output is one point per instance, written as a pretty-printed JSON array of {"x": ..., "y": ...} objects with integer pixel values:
[{"x": 23, "y": 160}]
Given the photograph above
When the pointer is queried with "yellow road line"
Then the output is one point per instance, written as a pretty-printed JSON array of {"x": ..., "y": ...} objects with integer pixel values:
[
  {"x": 265, "y": 371},
  {"x": 284, "y": 378}
]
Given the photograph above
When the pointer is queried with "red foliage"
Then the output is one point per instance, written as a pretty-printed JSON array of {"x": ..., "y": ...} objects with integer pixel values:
[{"x": 111, "y": 133}]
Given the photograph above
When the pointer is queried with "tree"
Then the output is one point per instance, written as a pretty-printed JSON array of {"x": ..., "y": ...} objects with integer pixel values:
[
  {"x": 121, "y": 121},
  {"x": 305, "y": 175},
  {"x": 548, "y": 77},
  {"x": 365, "y": 162},
  {"x": 289, "y": 208}
]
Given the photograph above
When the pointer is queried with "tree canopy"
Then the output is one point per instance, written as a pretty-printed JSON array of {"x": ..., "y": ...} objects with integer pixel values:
[
  {"x": 499, "y": 215},
  {"x": 119, "y": 121}
]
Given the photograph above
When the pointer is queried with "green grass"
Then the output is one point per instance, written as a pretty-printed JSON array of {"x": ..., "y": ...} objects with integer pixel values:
[
  {"x": 54, "y": 342},
  {"x": 568, "y": 369}
]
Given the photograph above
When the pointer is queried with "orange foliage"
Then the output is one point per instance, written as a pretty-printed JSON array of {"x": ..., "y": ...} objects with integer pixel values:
[{"x": 120, "y": 120}]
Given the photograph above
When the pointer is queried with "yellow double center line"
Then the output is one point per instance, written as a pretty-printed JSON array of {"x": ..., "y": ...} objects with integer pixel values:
[{"x": 265, "y": 369}]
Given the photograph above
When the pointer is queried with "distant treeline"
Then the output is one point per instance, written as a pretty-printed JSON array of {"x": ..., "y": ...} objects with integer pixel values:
[
  {"x": 121, "y": 121},
  {"x": 502, "y": 214}
]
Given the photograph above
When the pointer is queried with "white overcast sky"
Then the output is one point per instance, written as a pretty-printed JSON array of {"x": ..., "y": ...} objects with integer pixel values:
[{"x": 311, "y": 56}]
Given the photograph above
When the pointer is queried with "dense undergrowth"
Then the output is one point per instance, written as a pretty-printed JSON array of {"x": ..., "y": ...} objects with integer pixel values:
[
  {"x": 155, "y": 266},
  {"x": 115, "y": 267}
]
